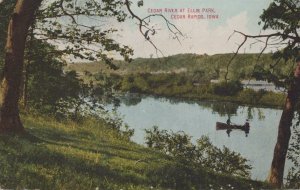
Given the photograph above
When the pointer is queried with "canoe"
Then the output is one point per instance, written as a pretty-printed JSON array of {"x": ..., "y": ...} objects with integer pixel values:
[{"x": 224, "y": 126}]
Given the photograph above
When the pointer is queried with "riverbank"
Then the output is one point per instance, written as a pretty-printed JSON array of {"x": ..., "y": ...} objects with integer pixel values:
[
  {"x": 269, "y": 100},
  {"x": 181, "y": 86},
  {"x": 68, "y": 155},
  {"x": 188, "y": 76}
]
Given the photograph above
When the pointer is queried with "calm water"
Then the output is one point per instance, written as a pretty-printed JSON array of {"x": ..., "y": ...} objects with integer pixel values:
[{"x": 199, "y": 118}]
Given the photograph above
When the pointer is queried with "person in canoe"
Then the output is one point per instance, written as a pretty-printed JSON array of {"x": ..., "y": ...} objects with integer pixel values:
[
  {"x": 228, "y": 122},
  {"x": 247, "y": 127}
]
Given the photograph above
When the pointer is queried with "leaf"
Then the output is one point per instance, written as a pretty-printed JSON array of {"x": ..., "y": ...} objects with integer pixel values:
[{"x": 140, "y": 3}]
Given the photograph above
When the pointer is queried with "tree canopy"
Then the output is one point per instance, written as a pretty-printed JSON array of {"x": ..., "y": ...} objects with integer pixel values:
[{"x": 281, "y": 26}]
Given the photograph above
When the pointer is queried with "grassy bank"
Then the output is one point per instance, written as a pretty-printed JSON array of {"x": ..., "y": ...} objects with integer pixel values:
[{"x": 68, "y": 155}]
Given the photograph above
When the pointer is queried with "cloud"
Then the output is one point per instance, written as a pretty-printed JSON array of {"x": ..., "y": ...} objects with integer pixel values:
[{"x": 201, "y": 37}]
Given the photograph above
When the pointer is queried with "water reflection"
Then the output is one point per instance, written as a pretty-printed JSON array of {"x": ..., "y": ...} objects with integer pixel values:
[
  {"x": 228, "y": 131},
  {"x": 229, "y": 127},
  {"x": 131, "y": 99},
  {"x": 222, "y": 108}
]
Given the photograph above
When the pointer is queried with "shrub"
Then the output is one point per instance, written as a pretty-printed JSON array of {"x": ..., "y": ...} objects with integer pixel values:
[
  {"x": 203, "y": 154},
  {"x": 293, "y": 177},
  {"x": 230, "y": 88},
  {"x": 251, "y": 96},
  {"x": 272, "y": 98}
]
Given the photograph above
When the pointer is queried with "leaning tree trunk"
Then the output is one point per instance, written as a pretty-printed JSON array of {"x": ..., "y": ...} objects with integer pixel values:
[
  {"x": 20, "y": 21},
  {"x": 284, "y": 133}
]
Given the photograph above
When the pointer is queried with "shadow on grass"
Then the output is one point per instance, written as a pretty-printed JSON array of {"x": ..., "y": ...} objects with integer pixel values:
[
  {"x": 29, "y": 164},
  {"x": 129, "y": 151}
]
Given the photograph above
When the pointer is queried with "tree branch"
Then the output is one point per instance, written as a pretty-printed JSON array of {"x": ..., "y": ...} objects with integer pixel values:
[{"x": 143, "y": 24}]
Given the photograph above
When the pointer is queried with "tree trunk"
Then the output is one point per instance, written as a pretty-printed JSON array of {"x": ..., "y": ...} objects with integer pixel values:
[
  {"x": 20, "y": 21},
  {"x": 27, "y": 66},
  {"x": 284, "y": 133},
  {"x": 25, "y": 90}
]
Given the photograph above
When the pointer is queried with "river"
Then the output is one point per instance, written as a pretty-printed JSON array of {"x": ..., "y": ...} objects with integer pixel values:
[{"x": 199, "y": 118}]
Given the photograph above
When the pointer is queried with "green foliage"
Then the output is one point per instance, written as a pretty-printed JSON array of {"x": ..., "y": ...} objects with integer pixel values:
[
  {"x": 48, "y": 87},
  {"x": 189, "y": 75},
  {"x": 140, "y": 84},
  {"x": 73, "y": 24},
  {"x": 230, "y": 88},
  {"x": 175, "y": 144},
  {"x": 203, "y": 154},
  {"x": 293, "y": 177},
  {"x": 261, "y": 97},
  {"x": 283, "y": 15},
  {"x": 201, "y": 68},
  {"x": 144, "y": 83},
  {"x": 251, "y": 96},
  {"x": 51, "y": 90},
  {"x": 183, "y": 86},
  {"x": 268, "y": 98},
  {"x": 6, "y": 8}
]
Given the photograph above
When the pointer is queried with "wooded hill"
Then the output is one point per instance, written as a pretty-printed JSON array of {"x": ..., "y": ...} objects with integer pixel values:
[{"x": 244, "y": 66}]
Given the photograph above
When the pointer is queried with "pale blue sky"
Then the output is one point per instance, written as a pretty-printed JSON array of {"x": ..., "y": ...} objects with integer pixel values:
[
  {"x": 226, "y": 8},
  {"x": 200, "y": 35},
  {"x": 204, "y": 36}
]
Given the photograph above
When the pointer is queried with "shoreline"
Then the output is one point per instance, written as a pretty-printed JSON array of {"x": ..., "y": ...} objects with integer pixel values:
[{"x": 220, "y": 99}]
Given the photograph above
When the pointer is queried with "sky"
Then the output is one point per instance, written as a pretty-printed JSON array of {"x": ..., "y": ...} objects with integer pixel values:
[{"x": 201, "y": 36}]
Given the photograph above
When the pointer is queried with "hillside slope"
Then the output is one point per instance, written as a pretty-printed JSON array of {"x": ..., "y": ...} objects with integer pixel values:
[{"x": 67, "y": 155}]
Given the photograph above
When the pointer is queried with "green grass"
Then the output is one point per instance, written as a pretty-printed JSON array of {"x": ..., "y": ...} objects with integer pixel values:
[{"x": 56, "y": 155}]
